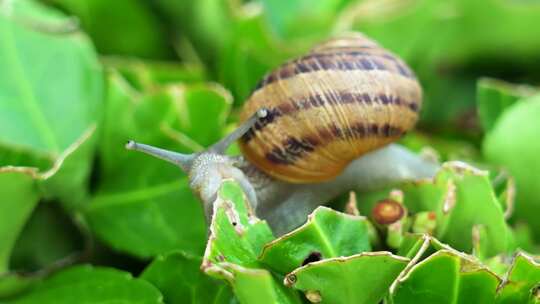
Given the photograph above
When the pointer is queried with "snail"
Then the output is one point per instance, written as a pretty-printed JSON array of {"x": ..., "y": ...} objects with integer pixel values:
[{"x": 313, "y": 128}]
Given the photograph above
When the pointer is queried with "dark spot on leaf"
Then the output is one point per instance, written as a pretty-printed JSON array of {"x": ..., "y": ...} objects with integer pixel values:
[
  {"x": 291, "y": 278},
  {"x": 312, "y": 257},
  {"x": 535, "y": 291}
]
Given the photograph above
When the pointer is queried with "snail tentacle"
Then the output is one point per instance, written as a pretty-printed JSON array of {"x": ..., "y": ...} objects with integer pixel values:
[
  {"x": 225, "y": 142},
  {"x": 183, "y": 161},
  {"x": 208, "y": 169}
]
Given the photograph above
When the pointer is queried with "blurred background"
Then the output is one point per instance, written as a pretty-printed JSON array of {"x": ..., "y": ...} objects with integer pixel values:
[
  {"x": 449, "y": 43},
  {"x": 174, "y": 73}
]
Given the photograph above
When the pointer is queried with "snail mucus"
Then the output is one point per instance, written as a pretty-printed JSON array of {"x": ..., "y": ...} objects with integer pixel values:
[{"x": 313, "y": 128}]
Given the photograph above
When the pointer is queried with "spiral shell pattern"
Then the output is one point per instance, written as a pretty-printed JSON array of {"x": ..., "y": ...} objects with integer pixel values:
[{"x": 345, "y": 98}]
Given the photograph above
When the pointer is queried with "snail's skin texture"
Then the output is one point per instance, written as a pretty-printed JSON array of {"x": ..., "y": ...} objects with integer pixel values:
[
  {"x": 345, "y": 98},
  {"x": 314, "y": 128},
  {"x": 207, "y": 174}
]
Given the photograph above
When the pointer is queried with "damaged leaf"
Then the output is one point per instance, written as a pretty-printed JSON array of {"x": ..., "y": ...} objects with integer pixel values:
[
  {"x": 327, "y": 234},
  {"x": 236, "y": 240},
  {"x": 362, "y": 278}
]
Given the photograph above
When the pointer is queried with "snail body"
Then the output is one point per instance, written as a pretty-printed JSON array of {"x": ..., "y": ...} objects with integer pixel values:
[{"x": 316, "y": 126}]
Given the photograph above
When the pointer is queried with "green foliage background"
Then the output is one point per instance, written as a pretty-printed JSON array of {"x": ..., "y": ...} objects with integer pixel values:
[{"x": 82, "y": 220}]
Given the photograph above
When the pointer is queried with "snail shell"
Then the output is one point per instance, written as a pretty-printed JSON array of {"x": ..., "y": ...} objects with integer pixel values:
[{"x": 345, "y": 98}]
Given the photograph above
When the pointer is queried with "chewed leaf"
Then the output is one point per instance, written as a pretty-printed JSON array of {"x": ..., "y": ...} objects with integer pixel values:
[
  {"x": 461, "y": 198},
  {"x": 86, "y": 284},
  {"x": 475, "y": 204},
  {"x": 179, "y": 278},
  {"x": 446, "y": 276},
  {"x": 522, "y": 282},
  {"x": 363, "y": 278},
  {"x": 259, "y": 286},
  {"x": 327, "y": 234},
  {"x": 236, "y": 239},
  {"x": 236, "y": 235}
]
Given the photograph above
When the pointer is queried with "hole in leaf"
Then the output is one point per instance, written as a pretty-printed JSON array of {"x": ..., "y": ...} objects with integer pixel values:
[
  {"x": 291, "y": 279},
  {"x": 535, "y": 291},
  {"x": 312, "y": 257}
]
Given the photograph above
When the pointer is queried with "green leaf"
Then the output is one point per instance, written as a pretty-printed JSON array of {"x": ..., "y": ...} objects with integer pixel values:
[
  {"x": 174, "y": 117},
  {"x": 460, "y": 37},
  {"x": 130, "y": 114},
  {"x": 236, "y": 239},
  {"x": 327, "y": 234},
  {"x": 475, "y": 204},
  {"x": 23, "y": 186},
  {"x": 445, "y": 149},
  {"x": 477, "y": 286},
  {"x": 362, "y": 278},
  {"x": 204, "y": 26},
  {"x": 67, "y": 180},
  {"x": 46, "y": 119},
  {"x": 446, "y": 277},
  {"x": 495, "y": 96},
  {"x": 477, "y": 282},
  {"x": 302, "y": 19},
  {"x": 462, "y": 197},
  {"x": 121, "y": 27},
  {"x": 31, "y": 102},
  {"x": 258, "y": 286},
  {"x": 520, "y": 282},
  {"x": 149, "y": 221},
  {"x": 428, "y": 42},
  {"x": 179, "y": 278},
  {"x": 145, "y": 75},
  {"x": 236, "y": 235},
  {"x": 12, "y": 284},
  {"x": 19, "y": 197},
  {"x": 49, "y": 237},
  {"x": 199, "y": 103},
  {"x": 248, "y": 53},
  {"x": 513, "y": 144},
  {"x": 414, "y": 245},
  {"x": 86, "y": 284}
]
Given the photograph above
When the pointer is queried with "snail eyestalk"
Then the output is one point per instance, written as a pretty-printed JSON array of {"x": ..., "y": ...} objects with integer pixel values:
[
  {"x": 183, "y": 161},
  {"x": 224, "y": 143}
]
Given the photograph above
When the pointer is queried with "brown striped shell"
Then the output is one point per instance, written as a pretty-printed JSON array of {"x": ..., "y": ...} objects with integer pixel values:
[{"x": 346, "y": 97}]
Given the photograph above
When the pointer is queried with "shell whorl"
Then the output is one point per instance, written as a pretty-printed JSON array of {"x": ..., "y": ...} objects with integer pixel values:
[{"x": 346, "y": 97}]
